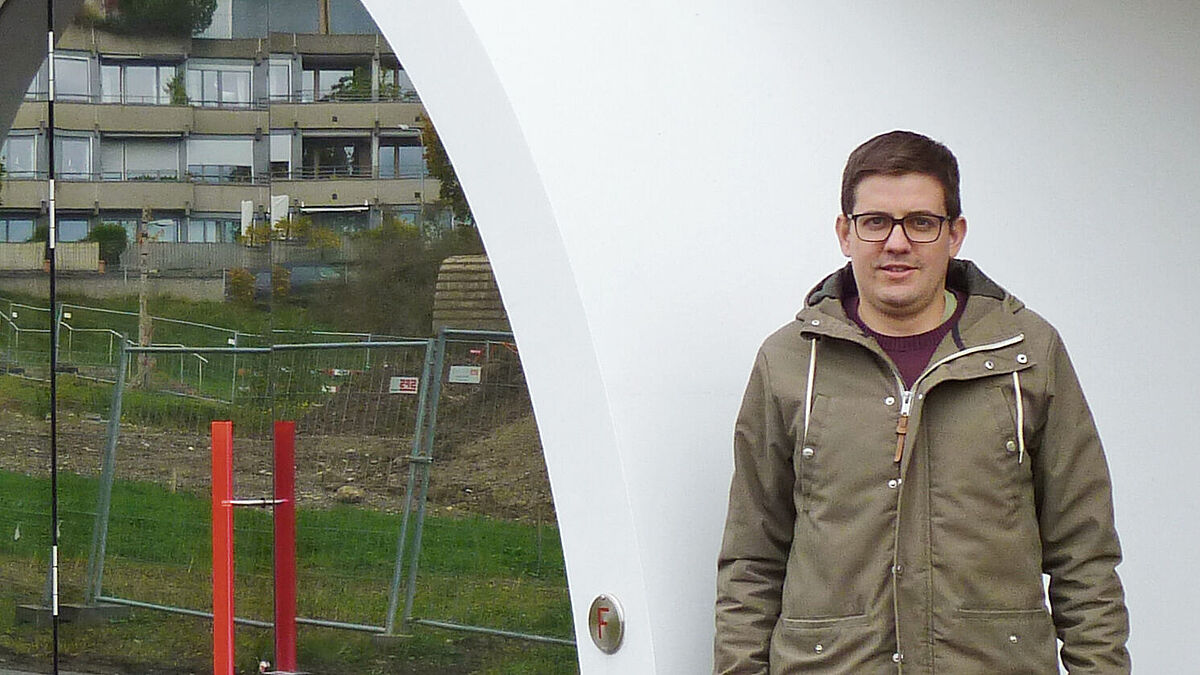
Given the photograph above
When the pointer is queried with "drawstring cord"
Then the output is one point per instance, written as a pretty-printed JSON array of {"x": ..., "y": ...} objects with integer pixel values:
[
  {"x": 808, "y": 390},
  {"x": 1020, "y": 417}
]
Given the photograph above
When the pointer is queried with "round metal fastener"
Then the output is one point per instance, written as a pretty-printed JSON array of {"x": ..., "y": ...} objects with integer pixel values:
[
  {"x": 889, "y": 400},
  {"x": 988, "y": 364},
  {"x": 893, "y": 483},
  {"x": 807, "y": 453},
  {"x": 1021, "y": 358},
  {"x": 1013, "y": 639},
  {"x": 819, "y": 648},
  {"x": 606, "y": 623},
  {"x": 1010, "y": 446},
  {"x": 920, "y": 397},
  {"x": 816, "y": 322},
  {"x": 897, "y": 657}
]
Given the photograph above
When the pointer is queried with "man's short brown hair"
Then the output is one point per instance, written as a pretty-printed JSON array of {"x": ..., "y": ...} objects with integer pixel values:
[{"x": 899, "y": 152}]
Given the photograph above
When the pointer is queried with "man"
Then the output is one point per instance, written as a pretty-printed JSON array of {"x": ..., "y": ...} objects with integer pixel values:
[{"x": 912, "y": 453}]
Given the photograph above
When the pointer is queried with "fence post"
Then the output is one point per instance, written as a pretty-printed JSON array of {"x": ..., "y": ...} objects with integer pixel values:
[
  {"x": 410, "y": 590},
  {"x": 222, "y": 545},
  {"x": 285, "y": 547},
  {"x": 413, "y": 461},
  {"x": 107, "y": 473}
]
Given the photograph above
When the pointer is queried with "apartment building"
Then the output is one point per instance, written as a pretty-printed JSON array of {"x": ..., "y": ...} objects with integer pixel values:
[{"x": 302, "y": 101}]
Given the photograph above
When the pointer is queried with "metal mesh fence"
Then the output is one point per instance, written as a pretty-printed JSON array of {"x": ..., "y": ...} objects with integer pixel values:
[
  {"x": 503, "y": 533},
  {"x": 463, "y": 536}
]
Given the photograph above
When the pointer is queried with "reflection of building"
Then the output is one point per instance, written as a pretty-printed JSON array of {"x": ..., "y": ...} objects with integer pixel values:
[{"x": 306, "y": 101}]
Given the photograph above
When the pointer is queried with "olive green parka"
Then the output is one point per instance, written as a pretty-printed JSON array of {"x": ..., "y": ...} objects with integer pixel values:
[{"x": 838, "y": 559}]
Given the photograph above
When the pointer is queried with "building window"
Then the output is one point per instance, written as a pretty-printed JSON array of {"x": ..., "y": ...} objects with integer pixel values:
[
  {"x": 222, "y": 85},
  {"x": 162, "y": 229},
  {"x": 401, "y": 157},
  {"x": 279, "y": 78},
  {"x": 138, "y": 84},
  {"x": 73, "y": 157},
  {"x": 37, "y": 87},
  {"x": 336, "y": 157},
  {"x": 394, "y": 84},
  {"x": 350, "y": 18},
  {"x": 139, "y": 159},
  {"x": 19, "y": 154},
  {"x": 16, "y": 229},
  {"x": 72, "y": 229},
  {"x": 212, "y": 230},
  {"x": 281, "y": 155},
  {"x": 341, "y": 81},
  {"x": 72, "y": 81},
  {"x": 221, "y": 160}
]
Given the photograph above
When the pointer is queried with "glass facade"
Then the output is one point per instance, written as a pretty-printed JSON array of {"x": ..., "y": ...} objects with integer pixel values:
[{"x": 219, "y": 85}]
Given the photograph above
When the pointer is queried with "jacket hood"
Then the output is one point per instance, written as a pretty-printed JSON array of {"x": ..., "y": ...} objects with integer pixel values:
[{"x": 961, "y": 275}]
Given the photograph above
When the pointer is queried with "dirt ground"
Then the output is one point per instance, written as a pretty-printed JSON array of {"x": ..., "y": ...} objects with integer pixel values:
[{"x": 501, "y": 475}]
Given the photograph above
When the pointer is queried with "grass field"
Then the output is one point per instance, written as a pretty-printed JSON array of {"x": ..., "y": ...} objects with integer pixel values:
[{"x": 473, "y": 570}]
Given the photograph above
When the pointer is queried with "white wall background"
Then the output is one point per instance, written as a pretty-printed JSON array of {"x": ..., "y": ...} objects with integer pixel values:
[{"x": 656, "y": 183}]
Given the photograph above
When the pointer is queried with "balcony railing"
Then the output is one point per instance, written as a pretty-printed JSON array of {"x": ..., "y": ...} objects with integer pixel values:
[
  {"x": 384, "y": 95},
  {"x": 220, "y": 173}
]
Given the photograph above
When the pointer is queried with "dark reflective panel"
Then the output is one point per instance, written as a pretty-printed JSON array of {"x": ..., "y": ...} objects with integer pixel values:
[
  {"x": 25, "y": 325},
  {"x": 264, "y": 175}
]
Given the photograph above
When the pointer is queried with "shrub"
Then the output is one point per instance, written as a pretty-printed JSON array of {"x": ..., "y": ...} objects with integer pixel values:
[
  {"x": 281, "y": 282},
  {"x": 241, "y": 286},
  {"x": 112, "y": 240}
]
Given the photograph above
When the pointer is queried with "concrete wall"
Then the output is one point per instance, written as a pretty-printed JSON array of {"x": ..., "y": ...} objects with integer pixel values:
[{"x": 115, "y": 285}]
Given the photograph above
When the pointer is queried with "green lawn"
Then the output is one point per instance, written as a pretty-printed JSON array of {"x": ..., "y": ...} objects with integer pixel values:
[{"x": 473, "y": 570}]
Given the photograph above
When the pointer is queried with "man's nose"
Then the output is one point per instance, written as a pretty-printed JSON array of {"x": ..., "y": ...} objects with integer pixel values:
[{"x": 897, "y": 239}]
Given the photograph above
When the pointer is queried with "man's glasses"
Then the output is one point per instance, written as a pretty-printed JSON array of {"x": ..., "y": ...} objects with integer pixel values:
[{"x": 920, "y": 228}]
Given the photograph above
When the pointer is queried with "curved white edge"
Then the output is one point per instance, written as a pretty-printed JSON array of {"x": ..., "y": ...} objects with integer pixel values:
[
  {"x": 656, "y": 182},
  {"x": 453, "y": 73}
]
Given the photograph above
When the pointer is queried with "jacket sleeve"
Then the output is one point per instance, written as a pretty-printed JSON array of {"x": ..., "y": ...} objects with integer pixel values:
[
  {"x": 758, "y": 531},
  {"x": 1080, "y": 550}
]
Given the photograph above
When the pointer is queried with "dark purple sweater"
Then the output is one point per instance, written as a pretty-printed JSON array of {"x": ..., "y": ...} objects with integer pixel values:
[{"x": 910, "y": 353}]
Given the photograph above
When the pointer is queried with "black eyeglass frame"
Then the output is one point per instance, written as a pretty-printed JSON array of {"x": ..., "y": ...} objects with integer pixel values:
[{"x": 942, "y": 220}]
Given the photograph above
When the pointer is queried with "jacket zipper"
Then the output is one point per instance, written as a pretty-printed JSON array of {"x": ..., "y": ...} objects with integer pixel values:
[{"x": 906, "y": 395}]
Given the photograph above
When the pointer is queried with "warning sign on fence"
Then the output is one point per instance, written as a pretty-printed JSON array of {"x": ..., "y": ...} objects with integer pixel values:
[
  {"x": 465, "y": 374},
  {"x": 404, "y": 385}
]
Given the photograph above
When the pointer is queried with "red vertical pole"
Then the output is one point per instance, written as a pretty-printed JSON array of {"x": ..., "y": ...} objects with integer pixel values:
[
  {"x": 222, "y": 551},
  {"x": 285, "y": 547}
]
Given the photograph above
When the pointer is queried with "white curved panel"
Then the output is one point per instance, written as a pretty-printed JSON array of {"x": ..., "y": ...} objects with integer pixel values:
[{"x": 656, "y": 185}]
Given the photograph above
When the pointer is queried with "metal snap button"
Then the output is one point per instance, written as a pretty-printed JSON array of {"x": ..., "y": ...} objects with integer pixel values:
[
  {"x": 807, "y": 453},
  {"x": 1021, "y": 358},
  {"x": 1013, "y": 639},
  {"x": 819, "y": 648},
  {"x": 889, "y": 400},
  {"x": 897, "y": 657},
  {"x": 988, "y": 364},
  {"x": 816, "y": 322},
  {"x": 1010, "y": 446},
  {"x": 893, "y": 483}
]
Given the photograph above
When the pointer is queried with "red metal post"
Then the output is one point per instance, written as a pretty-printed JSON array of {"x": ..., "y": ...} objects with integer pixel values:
[
  {"x": 285, "y": 547},
  {"x": 222, "y": 543}
]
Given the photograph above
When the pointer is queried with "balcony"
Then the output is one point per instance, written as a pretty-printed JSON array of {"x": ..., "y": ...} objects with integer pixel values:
[
  {"x": 346, "y": 114},
  {"x": 347, "y": 190}
]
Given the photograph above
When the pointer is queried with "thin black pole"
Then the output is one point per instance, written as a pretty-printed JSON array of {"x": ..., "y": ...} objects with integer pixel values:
[{"x": 50, "y": 245}]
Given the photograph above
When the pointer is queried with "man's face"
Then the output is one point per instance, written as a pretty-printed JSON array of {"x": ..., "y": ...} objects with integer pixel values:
[{"x": 900, "y": 283}]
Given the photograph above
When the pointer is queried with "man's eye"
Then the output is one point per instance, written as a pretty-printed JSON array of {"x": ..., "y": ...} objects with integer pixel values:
[
  {"x": 922, "y": 222},
  {"x": 874, "y": 221}
]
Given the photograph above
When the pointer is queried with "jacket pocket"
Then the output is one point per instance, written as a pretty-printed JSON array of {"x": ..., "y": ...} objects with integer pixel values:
[
  {"x": 999, "y": 641},
  {"x": 821, "y": 645}
]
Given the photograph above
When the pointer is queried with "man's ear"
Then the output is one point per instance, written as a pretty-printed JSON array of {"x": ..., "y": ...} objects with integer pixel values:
[
  {"x": 957, "y": 231},
  {"x": 842, "y": 228}
]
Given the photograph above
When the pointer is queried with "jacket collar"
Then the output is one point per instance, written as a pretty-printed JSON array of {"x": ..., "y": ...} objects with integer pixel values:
[{"x": 986, "y": 318}]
